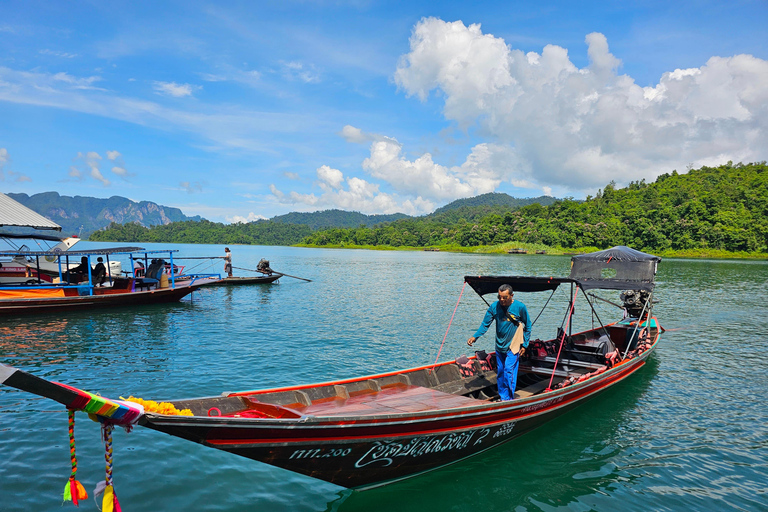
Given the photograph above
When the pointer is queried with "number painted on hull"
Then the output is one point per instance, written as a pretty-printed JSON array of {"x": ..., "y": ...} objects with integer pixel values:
[{"x": 320, "y": 453}]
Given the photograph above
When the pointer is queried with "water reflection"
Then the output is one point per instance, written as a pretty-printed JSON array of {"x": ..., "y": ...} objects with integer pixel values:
[{"x": 689, "y": 432}]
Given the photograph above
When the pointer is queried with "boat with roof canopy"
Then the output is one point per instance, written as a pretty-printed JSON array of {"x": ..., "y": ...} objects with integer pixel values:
[
  {"x": 91, "y": 284},
  {"x": 368, "y": 431}
]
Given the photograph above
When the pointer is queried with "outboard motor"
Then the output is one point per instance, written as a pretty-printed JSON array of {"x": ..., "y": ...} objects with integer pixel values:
[
  {"x": 263, "y": 267},
  {"x": 634, "y": 300}
]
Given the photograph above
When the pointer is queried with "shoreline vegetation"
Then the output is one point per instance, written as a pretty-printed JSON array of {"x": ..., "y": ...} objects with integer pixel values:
[
  {"x": 711, "y": 212},
  {"x": 713, "y": 254}
]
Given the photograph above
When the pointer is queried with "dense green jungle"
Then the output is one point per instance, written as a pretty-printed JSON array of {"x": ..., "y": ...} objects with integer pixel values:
[{"x": 711, "y": 211}]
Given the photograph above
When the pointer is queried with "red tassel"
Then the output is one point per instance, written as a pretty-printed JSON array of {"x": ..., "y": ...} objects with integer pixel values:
[{"x": 75, "y": 491}]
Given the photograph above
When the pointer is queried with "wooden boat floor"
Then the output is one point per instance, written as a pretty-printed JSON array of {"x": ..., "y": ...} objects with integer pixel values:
[{"x": 390, "y": 400}]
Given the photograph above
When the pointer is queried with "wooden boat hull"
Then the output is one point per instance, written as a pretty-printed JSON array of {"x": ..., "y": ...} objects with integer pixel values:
[
  {"x": 237, "y": 281},
  {"x": 368, "y": 451},
  {"x": 104, "y": 297}
]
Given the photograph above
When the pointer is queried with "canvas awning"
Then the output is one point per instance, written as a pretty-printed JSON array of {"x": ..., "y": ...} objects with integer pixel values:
[
  {"x": 617, "y": 268},
  {"x": 13, "y": 213},
  {"x": 484, "y": 285},
  {"x": 75, "y": 254}
]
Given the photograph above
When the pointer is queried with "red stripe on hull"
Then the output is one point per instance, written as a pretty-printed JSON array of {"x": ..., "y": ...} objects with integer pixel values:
[{"x": 361, "y": 452}]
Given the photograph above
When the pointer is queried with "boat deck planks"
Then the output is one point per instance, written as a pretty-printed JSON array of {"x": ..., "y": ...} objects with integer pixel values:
[{"x": 390, "y": 400}]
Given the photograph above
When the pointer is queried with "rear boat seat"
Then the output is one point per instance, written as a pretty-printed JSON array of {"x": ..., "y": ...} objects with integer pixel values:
[
  {"x": 569, "y": 362},
  {"x": 535, "y": 388}
]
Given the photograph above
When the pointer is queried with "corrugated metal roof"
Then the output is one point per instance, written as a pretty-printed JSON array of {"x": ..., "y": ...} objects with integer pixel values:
[{"x": 13, "y": 213}]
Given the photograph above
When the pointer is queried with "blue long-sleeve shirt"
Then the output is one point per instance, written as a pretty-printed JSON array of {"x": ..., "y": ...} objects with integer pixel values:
[{"x": 506, "y": 323}]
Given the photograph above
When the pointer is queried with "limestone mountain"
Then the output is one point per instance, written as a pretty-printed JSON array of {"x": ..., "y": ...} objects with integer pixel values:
[{"x": 81, "y": 215}]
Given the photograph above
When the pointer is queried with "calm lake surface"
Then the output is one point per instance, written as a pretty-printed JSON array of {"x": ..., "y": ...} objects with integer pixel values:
[{"x": 689, "y": 431}]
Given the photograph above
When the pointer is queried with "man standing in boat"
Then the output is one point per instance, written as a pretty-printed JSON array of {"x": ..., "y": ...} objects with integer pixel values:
[
  {"x": 510, "y": 315},
  {"x": 227, "y": 262}
]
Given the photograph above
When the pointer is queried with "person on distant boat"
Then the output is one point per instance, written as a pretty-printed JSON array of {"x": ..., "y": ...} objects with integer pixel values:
[
  {"x": 82, "y": 268},
  {"x": 78, "y": 273},
  {"x": 99, "y": 272},
  {"x": 138, "y": 268},
  {"x": 509, "y": 314},
  {"x": 227, "y": 262}
]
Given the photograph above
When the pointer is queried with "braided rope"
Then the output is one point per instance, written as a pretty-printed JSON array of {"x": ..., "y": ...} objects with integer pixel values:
[
  {"x": 72, "y": 443},
  {"x": 107, "y": 432}
]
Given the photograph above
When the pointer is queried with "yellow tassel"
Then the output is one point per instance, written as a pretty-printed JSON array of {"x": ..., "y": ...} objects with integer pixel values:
[{"x": 108, "y": 503}]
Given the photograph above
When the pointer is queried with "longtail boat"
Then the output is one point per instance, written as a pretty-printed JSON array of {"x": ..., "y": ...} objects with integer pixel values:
[
  {"x": 83, "y": 291},
  {"x": 368, "y": 431},
  {"x": 237, "y": 281}
]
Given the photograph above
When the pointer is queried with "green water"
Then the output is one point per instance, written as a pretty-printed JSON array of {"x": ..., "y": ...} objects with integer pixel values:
[{"x": 687, "y": 432}]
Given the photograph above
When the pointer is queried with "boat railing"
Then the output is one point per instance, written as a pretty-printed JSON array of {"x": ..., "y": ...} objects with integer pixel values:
[
  {"x": 194, "y": 277},
  {"x": 85, "y": 280}
]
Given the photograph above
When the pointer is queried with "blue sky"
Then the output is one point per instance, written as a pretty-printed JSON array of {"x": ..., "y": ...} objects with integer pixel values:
[{"x": 244, "y": 110}]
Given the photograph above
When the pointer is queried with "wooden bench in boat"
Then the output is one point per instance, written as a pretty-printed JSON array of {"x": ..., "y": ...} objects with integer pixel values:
[
  {"x": 569, "y": 362},
  {"x": 390, "y": 400},
  {"x": 417, "y": 391}
]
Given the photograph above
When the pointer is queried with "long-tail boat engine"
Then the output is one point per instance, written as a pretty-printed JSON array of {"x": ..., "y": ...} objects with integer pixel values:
[
  {"x": 263, "y": 267},
  {"x": 634, "y": 300}
]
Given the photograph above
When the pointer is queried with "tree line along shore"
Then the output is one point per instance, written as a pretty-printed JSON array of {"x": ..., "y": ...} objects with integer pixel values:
[{"x": 715, "y": 212}]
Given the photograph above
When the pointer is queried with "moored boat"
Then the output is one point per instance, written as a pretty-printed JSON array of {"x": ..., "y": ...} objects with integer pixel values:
[
  {"x": 236, "y": 281},
  {"x": 367, "y": 431},
  {"x": 89, "y": 289}
]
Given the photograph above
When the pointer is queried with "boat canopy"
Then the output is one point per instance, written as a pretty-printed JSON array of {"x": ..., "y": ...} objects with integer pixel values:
[
  {"x": 32, "y": 236},
  {"x": 13, "y": 213},
  {"x": 484, "y": 285},
  {"x": 89, "y": 252},
  {"x": 617, "y": 268}
]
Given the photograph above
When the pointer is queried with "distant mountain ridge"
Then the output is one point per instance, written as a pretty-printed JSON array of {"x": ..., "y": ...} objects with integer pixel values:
[
  {"x": 334, "y": 219},
  {"x": 468, "y": 208},
  {"x": 90, "y": 214},
  {"x": 84, "y": 216}
]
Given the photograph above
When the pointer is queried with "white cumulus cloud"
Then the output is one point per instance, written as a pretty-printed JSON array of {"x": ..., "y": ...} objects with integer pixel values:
[
  {"x": 352, "y": 193},
  {"x": 239, "y": 219},
  {"x": 92, "y": 164},
  {"x": 419, "y": 184},
  {"x": 356, "y": 135},
  {"x": 119, "y": 167},
  {"x": 581, "y": 128},
  {"x": 174, "y": 89},
  {"x": 330, "y": 177},
  {"x": 427, "y": 178}
]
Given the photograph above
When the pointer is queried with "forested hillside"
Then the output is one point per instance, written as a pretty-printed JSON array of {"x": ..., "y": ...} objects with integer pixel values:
[
  {"x": 293, "y": 227},
  {"x": 335, "y": 219},
  {"x": 206, "y": 232},
  {"x": 721, "y": 208},
  {"x": 493, "y": 199},
  {"x": 709, "y": 208}
]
